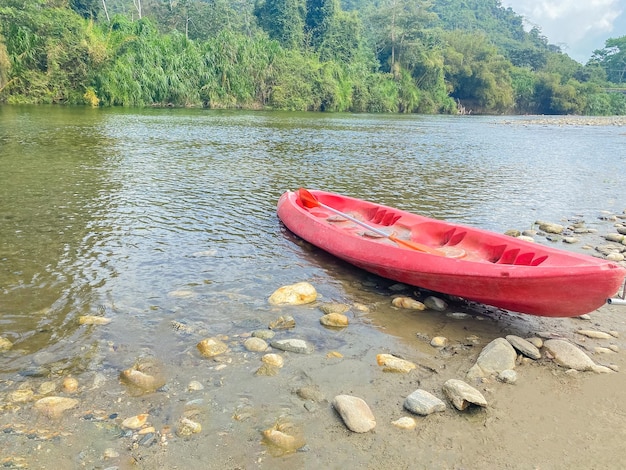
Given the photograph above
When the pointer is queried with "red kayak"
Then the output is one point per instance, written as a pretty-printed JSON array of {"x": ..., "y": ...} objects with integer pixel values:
[{"x": 453, "y": 259}]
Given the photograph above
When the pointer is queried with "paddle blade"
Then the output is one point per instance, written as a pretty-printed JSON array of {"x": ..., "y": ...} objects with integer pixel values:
[{"x": 308, "y": 200}]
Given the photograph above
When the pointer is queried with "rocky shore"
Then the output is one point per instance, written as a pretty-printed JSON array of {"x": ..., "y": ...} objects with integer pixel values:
[{"x": 450, "y": 384}]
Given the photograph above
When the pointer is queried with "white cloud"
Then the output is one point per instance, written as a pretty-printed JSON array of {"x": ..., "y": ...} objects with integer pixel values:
[{"x": 578, "y": 26}]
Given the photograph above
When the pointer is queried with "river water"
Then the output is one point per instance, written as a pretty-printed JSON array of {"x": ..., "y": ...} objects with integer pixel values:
[{"x": 155, "y": 216}]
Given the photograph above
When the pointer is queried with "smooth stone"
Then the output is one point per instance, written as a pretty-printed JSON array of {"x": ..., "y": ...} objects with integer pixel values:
[
  {"x": 615, "y": 257},
  {"x": 408, "y": 303},
  {"x": 439, "y": 342},
  {"x": 195, "y": 386},
  {"x": 135, "y": 422},
  {"x": 53, "y": 407},
  {"x": 293, "y": 345},
  {"x": 535, "y": 341},
  {"x": 294, "y": 294},
  {"x": 463, "y": 395},
  {"x": 392, "y": 363},
  {"x": 211, "y": 347},
  {"x": 273, "y": 359},
  {"x": 523, "y": 346},
  {"x": 283, "y": 323},
  {"x": 615, "y": 237},
  {"x": 335, "y": 320},
  {"x": 550, "y": 227},
  {"x": 255, "y": 344},
  {"x": 570, "y": 240},
  {"x": 423, "y": 403},
  {"x": 355, "y": 413},
  {"x": 267, "y": 370},
  {"x": 435, "y": 303},
  {"x": 311, "y": 393},
  {"x": 5, "y": 344},
  {"x": 568, "y": 355},
  {"x": 406, "y": 422},
  {"x": 263, "y": 334},
  {"x": 594, "y": 334},
  {"x": 186, "y": 427},
  {"x": 497, "y": 356},
  {"x": 334, "y": 307}
]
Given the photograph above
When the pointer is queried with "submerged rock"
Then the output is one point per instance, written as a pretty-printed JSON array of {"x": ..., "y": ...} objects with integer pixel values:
[
  {"x": 211, "y": 347},
  {"x": 294, "y": 294},
  {"x": 299, "y": 346},
  {"x": 53, "y": 407}
]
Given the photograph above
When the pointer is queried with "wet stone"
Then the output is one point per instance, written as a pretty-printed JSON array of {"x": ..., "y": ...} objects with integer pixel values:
[
  {"x": 423, "y": 403},
  {"x": 463, "y": 395},
  {"x": 255, "y": 344},
  {"x": 294, "y": 294},
  {"x": 284, "y": 322},
  {"x": 263, "y": 334},
  {"x": 523, "y": 346},
  {"x": 436, "y": 304},
  {"x": 299, "y": 346},
  {"x": 355, "y": 413}
]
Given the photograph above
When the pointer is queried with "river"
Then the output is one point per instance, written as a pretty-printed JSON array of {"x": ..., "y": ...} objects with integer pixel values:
[{"x": 157, "y": 216}]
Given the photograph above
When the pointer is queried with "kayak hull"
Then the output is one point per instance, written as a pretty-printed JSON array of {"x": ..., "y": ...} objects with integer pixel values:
[{"x": 493, "y": 269}]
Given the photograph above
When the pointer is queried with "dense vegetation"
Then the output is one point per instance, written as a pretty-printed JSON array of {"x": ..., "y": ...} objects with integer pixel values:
[{"x": 437, "y": 56}]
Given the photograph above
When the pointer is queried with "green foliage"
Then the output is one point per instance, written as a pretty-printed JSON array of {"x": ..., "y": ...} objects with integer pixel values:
[{"x": 407, "y": 56}]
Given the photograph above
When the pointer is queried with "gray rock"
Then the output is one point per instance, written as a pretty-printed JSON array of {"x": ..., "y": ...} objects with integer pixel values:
[
  {"x": 435, "y": 303},
  {"x": 525, "y": 347},
  {"x": 355, "y": 413},
  {"x": 463, "y": 395},
  {"x": 568, "y": 355},
  {"x": 423, "y": 403},
  {"x": 497, "y": 356},
  {"x": 508, "y": 376},
  {"x": 550, "y": 227},
  {"x": 293, "y": 345}
]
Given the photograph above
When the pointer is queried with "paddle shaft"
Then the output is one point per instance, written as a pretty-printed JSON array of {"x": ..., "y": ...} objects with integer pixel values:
[{"x": 399, "y": 241}]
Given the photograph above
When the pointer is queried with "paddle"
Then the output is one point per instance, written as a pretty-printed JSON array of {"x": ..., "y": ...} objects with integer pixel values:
[{"x": 309, "y": 200}]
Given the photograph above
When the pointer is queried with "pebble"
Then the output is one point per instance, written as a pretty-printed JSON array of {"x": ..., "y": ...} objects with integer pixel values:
[
  {"x": 355, "y": 413},
  {"x": 508, "y": 376},
  {"x": 311, "y": 392},
  {"x": 135, "y": 422},
  {"x": 335, "y": 320},
  {"x": 497, "y": 356},
  {"x": 525, "y": 347},
  {"x": 435, "y": 303},
  {"x": 186, "y": 427},
  {"x": 195, "y": 386},
  {"x": 463, "y": 395},
  {"x": 294, "y": 294},
  {"x": 406, "y": 422},
  {"x": 279, "y": 437},
  {"x": 568, "y": 355},
  {"x": 594, "y": 334},
  {"x": 53, "y": 407},
  {"x": 70, "y": 385},
  {"x": 550, "y": 227},
  {"x": 255, "y": 344},
  {"x": 334, "y": 307},
  {"x": 284, "y": 322},
  {"x": 408, "y": 303},
  {"x": 5, "y": 344},
  {"x": 211, "y": 347},
  {"x": 439, "y": 342},
  {"x": 423, "y": 403},
  {"x": 263, "y": 334},
  {"x": 392, "y": 363},
  {"x": 299, "y": 346},
  {"x": 273, "y": 359}
]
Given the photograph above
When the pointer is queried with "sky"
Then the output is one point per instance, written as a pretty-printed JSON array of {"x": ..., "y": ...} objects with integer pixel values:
[{"x": 578, "y": 26}]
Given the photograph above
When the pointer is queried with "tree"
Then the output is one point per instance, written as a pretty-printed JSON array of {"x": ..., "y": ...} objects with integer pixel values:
[
  {"x": 283, "y": 20},
  {"x": 613, "y": 59}
]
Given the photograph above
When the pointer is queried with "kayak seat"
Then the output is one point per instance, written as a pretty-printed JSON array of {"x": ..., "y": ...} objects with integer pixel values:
[
  {"x": 500, "y": 255},
  {"x": 382, "y": 217}
]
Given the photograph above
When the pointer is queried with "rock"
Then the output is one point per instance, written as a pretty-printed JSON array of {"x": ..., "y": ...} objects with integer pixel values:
[
  {"x": 186, "y": 427},
  {"x": 423, "y": 403},
  {"x": 334, "y": 307},
  {"x": 334, "y": 320},
  {"x": 5, "y": 344},
  {"x": 255, "y": 344},
  {"x": 272, "y": 359},
  {"x": 135, "y": 422},
  {"x": 497, "y": 356},
  {"x": 355, "y": 413},
  {"x": 406, "y": 422},
  {"x": 550, "y": 227},
  {"x": 594, "y": 334},
  {"x": 570, "y": 240},
  {"x": 439, "y": 342},
  {"x": 435, "y": 303},
  {"x": 53, "y": 407},
  {"x": 294, "y": 294},
  {"x": 195, "y": 386},
  {"x": 462, "y": 395},
  {"x": 408, "y": 303},
  {"x": 508, "y": 376},
  {"x": 93, "y": 320},
  {"x": 615, "y": 257},
  {"x": 284, "y": 437},
  {"x": 615, "y": 237},
  {"x": 293, "y": 345},
  {"x": 311, "y": 393},
  {"x": 568, "y": 355},
  {"x": 523, "y": 346},
  {"x": 267, "y": 370},
  {"x": 70, "y": 385},
  {"x": 211, "y": 347},
  {"x": 145, "y": 381},
  {"x": 263, "y": 334},
  {"x": 283, "y": 323},
  {"x": 392, "y": 363}
]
